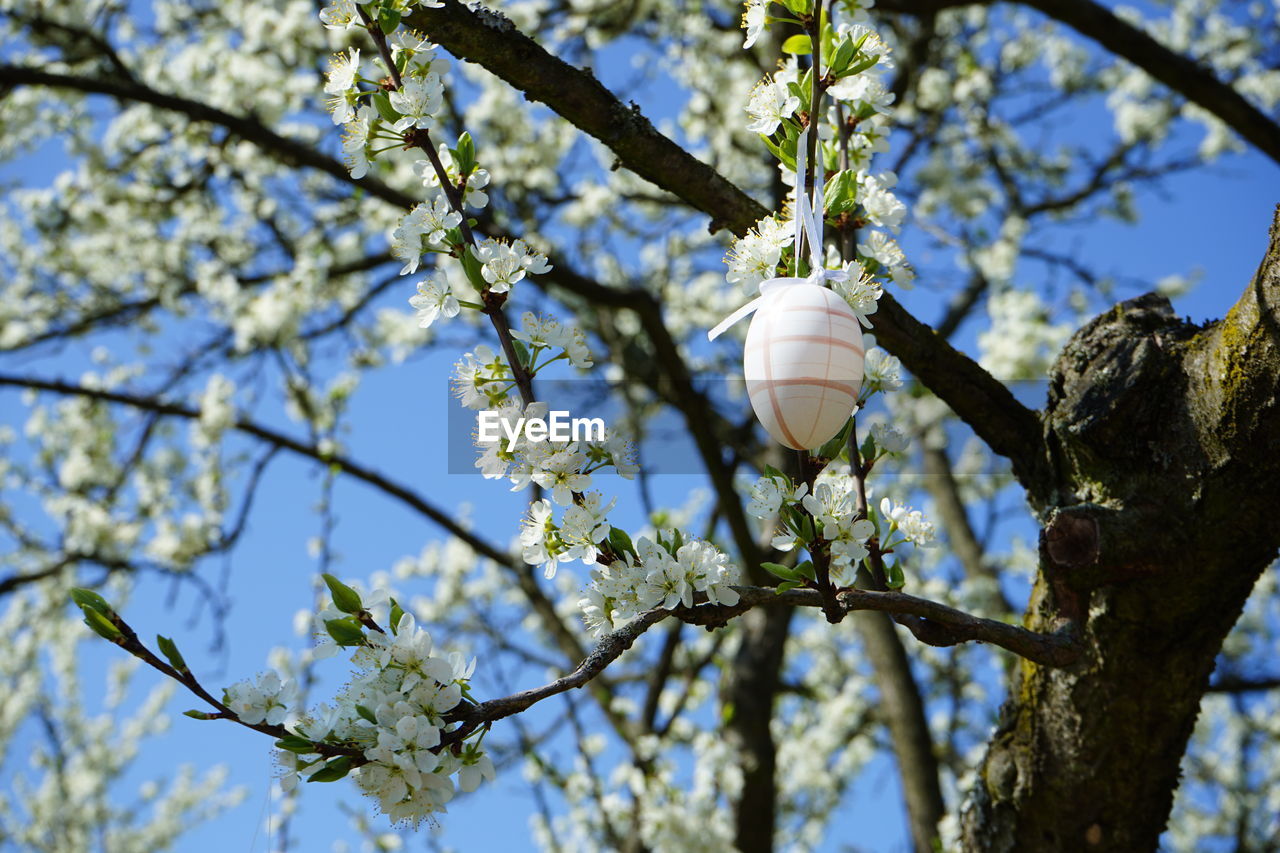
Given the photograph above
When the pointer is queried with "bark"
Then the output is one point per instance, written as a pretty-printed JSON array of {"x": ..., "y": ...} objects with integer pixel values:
[
  {"x": 904, "y": 714},
  {"x": 749, "y": 694},
  {"x": 1164, "y": 441}
]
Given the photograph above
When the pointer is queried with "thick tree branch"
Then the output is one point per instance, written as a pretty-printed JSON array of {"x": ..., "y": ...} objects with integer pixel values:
[
  {"x": 290, "y": 151},
  {"x": 1049, "y": 649},
  {"x": 1183, "y": 75}
]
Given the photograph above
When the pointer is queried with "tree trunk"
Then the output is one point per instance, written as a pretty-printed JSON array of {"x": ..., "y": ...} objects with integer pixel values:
[
  {"x": 749, "y": 699},
  {"x": 1160, "y": 513}
]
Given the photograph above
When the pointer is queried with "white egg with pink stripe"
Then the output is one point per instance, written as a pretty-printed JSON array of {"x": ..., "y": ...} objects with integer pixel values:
[{"x": 803, "y": 362}]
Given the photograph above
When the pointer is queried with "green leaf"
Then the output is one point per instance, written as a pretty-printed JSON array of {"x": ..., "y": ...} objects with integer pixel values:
[
  {"x": 197, "y": 715},
  {"x": 833, "y": 447},
  {"x": 774, "y": 474},
  {"x": 295, "y": 744},
  {"x": 367, "y": 714},
  {"x": 333, "y": 771},
  {"x": 799, "y": 44},
  {"x": 171, "y": 652},
  {"x": 345, "y": 598},
  {"x": 345, "y": 631},
  {"x": 388, "y": 20},
  {"x": 677, "y": 541},
  {"x": 397, "y": 613},
  {"x": 868, "y": 449},
  {"x": 894, "y": 578},
  {"x": 382, "y": 103},
  {"x": 798, "y": 7},
  {"x": 101, "y": 625},
  {"x": 89, "y": 598},
  {"x": 620, "y": 542},
  {"x": 522, "y": 353},
  {"x": 788, "y": 585},
  {"x": 465, "y": 154},
  {"x": 471, "y": 267},
  {"x": 844, "y": 53},
  {"x": 779, "y": 570},
  {"x": 840, "y": 195},
  {"x": 805, "y": 570}
]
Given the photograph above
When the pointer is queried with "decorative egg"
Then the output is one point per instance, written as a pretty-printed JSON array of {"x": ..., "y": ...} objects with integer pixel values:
[{"x": 803, "y": 362}]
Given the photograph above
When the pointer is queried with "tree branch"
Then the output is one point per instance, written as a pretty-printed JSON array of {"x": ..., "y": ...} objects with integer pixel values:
[
  {"x": 1182, "y": 74},
  {"x": 276, "y": 439},
  {"x": 291, "y": 151}
]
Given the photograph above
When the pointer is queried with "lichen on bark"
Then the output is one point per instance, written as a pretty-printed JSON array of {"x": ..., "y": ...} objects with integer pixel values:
[{"x": 1165, "y": 435}]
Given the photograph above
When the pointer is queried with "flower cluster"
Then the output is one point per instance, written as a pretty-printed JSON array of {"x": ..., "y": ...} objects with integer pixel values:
[
  {"x": 830, "y": 513},
  {"x": 424, "y": 229},
  {"x": 366, "y": 112},
  {"x": 543, "y": 333},
  {"x": 911, "y": 523},
  {"x": 834, "y": 515},
  {"x": 563, "y": 468},
  {"x": 853, "y": 59},
  {"x": 664, "y": 573},
  {"x": 477, "y": 179},
  {"x": 583, "y": 527},
  {"x": 394, "y": 713},
  {"x": 504, "y": 264},
  {"x": 263, "y": 701},
  {"x": 756, "y": 256},
  {"x": 482, "y": 379}
]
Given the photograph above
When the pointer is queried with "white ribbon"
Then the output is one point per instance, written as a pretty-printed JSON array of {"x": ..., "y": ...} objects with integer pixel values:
[{"x": 809, "y": 222}]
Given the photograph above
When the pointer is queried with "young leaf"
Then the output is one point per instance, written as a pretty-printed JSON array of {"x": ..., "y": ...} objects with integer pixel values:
[
  {"x": 465, "y": 154},
  {"x": 382, "y": 103},
  {"x": 295, "y": 744},
  {"x": 397, "y": 613},
  {"x": 170, "y": 650},
  {"x": 345, "y": 598},
  {"x": 894, "y": 578},
  {"x": 388, "y": 20},
  {"x": 620, "y": 542},
  {"x": 774, "y": 474},
  {"x": 345, "y": 632},
  {"x": 367, "y": 714},
  {"x": 197, "y": 715},
  {"x": 522, "y": 353},
  {"x": 333, "y": 771},
  {"x": 101, "y": 625},
  {"x": 783, "y": 587},
  {"x": 89, "y": 598},
  {"x": 833, "y": 448},
  {"x": 805, "y": 570},
  {"x": 471, "y": 267},
  {"x": 799, "y": 44},
  {"x": 779, "y": 570}
]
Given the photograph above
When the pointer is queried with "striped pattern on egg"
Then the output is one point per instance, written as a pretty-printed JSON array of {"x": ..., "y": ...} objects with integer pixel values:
[{"x": 803, "y": 363}]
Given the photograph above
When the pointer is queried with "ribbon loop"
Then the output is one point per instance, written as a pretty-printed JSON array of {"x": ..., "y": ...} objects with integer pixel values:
[{"x": 808, "y": 224}]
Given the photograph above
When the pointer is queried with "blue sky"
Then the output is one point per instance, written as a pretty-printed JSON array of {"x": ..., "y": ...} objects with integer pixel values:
[{"x": 1215, "y": 220}]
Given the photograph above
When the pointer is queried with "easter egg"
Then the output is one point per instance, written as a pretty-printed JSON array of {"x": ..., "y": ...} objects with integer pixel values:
[{"x": 803, "y": 362}]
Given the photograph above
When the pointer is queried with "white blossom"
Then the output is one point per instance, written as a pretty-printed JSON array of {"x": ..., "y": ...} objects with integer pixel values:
[
  {"x": 770, "y": 103},
  {"x": 434, "y": 298},
  {"x": 417, "y": 100}
]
